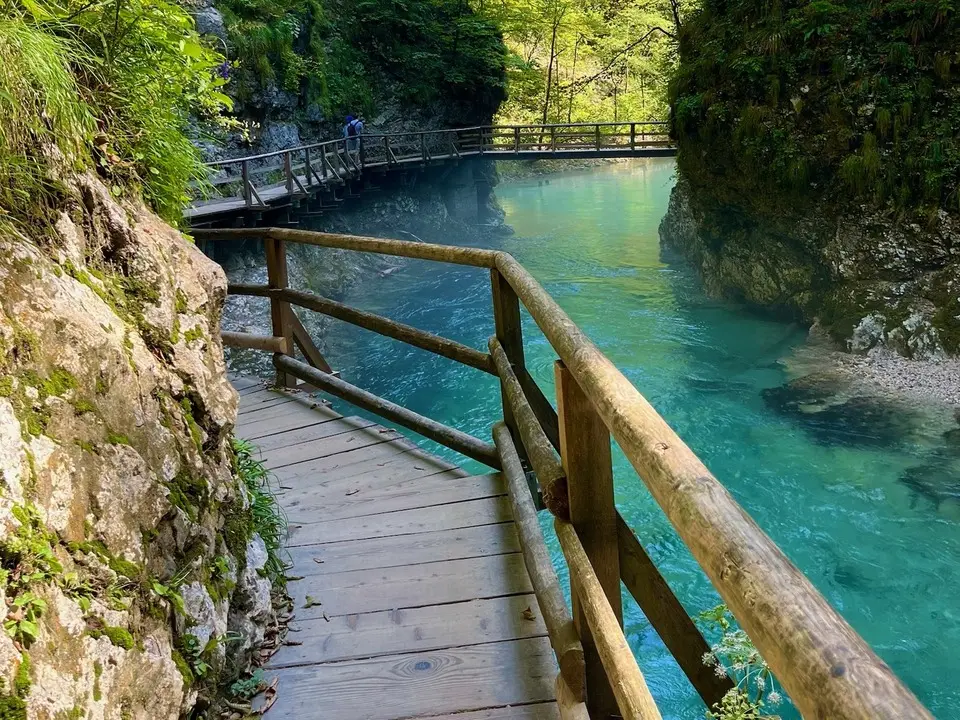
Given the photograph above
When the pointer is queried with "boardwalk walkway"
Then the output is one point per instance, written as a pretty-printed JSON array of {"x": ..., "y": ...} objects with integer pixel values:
[{"x": 414, "y": 601}]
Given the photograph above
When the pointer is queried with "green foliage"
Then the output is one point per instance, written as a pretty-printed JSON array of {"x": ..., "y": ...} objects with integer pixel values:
[
  {"x": 264, "y": 513},
  {"x": 734, "y": 655},
  {"x": 112, "y": 85},
  {"x": 121, "y": 637},
  {"x": 246, "y": 688},
  {"x": 795, "y": 101},
  {"x": 193, "y": 653},
  {"x": 335, "y": 53}
]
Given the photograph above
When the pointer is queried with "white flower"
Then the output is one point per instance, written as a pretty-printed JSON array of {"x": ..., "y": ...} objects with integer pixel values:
[
  {"x": 720, "y": 671},
  {"x": 774, "y": 698},
  {"x": 761, "y": 683},
  {"x": 708, "y": 659}
]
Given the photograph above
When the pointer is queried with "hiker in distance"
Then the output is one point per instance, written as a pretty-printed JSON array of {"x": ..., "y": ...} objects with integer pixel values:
[{"x": 352, "y": 130}]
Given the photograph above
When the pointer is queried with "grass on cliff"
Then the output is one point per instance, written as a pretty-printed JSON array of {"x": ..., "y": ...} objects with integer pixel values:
[
  {"x": 106, "y": 85},
  {"x": 265, "y": 515}
]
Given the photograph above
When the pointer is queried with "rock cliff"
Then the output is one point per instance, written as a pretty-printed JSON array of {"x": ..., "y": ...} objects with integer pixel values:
[
  {"x": 868, "y": 278},
  {"x": 131, "y": 570}
]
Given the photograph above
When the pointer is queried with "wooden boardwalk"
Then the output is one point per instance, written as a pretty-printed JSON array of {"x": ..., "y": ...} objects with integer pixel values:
[{"x": 414, "y": 602}]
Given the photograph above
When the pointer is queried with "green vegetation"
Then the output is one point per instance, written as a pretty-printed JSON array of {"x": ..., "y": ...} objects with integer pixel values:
[
  {"x": 340, "y": 54},
  {"x": 263, "y": 515},
  {"x": 111, "y": 85},
  {"x": 734, "y": 655},
  {"x": 797, "y": 101},
  {"x": 121, "y": 637},
  {"x": 601, "y": 60}
]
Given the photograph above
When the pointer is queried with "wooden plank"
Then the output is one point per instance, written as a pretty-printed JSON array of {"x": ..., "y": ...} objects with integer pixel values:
[
  {"x": 342, "y": 439},
  {"x": 535, "y": 711},
  {"x": 357, "y": 501},
  {"x": 383, "y": 474},
  {"x": 250, "y": 389},
  {"x": 543, "y": 576},
  {"x": 244, "y": 382},
  {"x": 629, "y": 686},
  {"x": 418, "y": 684},
  {"x": 417, "y": 548},
  {"x": 405, "y": 586},
  {"x": 434, "y": 627},
  {"x": 668, "y": 617},
  {"x": 268, "y": 400},
  {"x": 294, "y": 408},
  {"x": 283, "y": 422},
  {"x": 310, "y": 351},
  {"x": 585, "y": 449},
  {"x": 280, "y": 312},
  {"x": 354, "y": 462},
  {"x": 569, "y": 704},
  {"x": 311, "y": 433},
  {"x": 403, "y": 522}
]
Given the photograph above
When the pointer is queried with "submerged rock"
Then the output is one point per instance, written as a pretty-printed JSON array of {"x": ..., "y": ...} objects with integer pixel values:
[{"x": 824, "y": 406}]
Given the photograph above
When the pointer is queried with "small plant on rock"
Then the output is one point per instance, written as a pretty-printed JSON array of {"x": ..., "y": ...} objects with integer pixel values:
[{"x": 734, "y": 655}]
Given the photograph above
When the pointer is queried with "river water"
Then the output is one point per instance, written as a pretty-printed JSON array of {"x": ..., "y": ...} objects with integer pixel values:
[{"x": 830, "y": 488}]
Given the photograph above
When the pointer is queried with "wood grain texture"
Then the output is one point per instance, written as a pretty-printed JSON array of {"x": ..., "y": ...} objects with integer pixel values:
[
  {"x": 585, "y": 449},
  {"x": 419, "y": 684},
  {"x": 358, "y": 500},
  {"x": 341, "y": 439},
  {"x": 311, "y": 433},
  {"x": 536, "y": 711},
  {"x": 569, "y": 704},
  {"x": 627, "y": 682},
  {"x": 404, "y": 522},
  {"x": 406, "y": 586},
  {"x": 826, "y": 668},
  {"x": 435, "y": 627},
  {"x": 416, "y": 549},
  {"x": 543, "y": 458},
  {"x": 543, "y": 577}
]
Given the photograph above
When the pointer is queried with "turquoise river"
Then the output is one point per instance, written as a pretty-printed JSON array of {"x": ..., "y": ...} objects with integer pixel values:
[{"x": 833, "y": 497}]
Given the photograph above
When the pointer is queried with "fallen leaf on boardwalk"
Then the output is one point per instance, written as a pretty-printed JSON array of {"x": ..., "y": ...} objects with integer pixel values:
[
  {"x": 380, "y": 464},
  {"x": 325, "y": 617},
  {"x": 318, "y": 560},
  {"x": 385, "y": 430},
  {"x": 352, "y": 492},
  {"x": 312, "y": 603},
  {"x": 528, "y": 614},
  {"x": 294, "y": 578},
  {"x": 269, "y": 697},
  {"x": 417, "y": 467},
  {"x": 292, "y": 642},
  {"x": 351, "y": 439}
]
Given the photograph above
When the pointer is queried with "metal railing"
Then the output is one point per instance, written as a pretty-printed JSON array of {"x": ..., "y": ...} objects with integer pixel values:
[{"x": 825, "y": 666}]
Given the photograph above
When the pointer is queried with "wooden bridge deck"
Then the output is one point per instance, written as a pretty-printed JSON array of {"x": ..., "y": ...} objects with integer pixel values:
[{"x": 414, "y": 602}]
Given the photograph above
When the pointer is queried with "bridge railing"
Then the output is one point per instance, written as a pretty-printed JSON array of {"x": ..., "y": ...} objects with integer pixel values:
[
  {"x": 828, "y": 670},
  {"x": 301, "y": 172}
]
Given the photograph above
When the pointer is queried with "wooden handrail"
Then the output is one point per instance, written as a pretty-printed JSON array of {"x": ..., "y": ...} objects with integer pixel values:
[
  {"x": 828, "y": 670},
  {"x": 563, "y": 635},
  {"x": 438, "y": 432},
  {"x": 546, "y": 464},
  {"x": 629, "y": 687},
  {"x": 376, "y": 323}
]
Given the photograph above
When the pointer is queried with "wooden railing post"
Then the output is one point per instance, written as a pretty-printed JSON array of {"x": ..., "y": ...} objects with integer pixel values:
[
  {"x": 280, "y": 311},
  {"x": 307, "y": 167},
  {"x": 506, "y": 320},
  {"x": 245, "y": 179},
  {"x": 597, "y": 131},
  {"x": 516, "y": 139},
  {"x": 585, "y": 452},
  {"x": 633, "y": 136},
  {"x": 423, "y": 147},
  {"x": 288, "y": 172},
  {"x": 553, "y": 139}
]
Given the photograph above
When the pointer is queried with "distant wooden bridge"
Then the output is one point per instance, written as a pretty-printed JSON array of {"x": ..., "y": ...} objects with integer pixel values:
[
  {"x": 310, "y": 178},
  {"x": 429, "y": 593}
]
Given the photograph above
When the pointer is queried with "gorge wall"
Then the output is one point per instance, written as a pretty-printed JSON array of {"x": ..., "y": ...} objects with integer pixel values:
[
  {"x": 819, "y": 165},
  {"x": 133, "y": 578}
]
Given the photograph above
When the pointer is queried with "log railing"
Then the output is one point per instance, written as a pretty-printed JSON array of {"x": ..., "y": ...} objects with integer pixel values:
[
  {"x": 292, "y": 174},
  {"x": 827, "y": 669}
]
